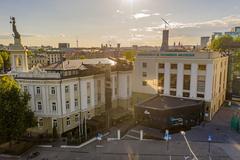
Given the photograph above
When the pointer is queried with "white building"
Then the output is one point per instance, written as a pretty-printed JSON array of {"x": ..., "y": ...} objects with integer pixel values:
[
  {"x": 62, "y": 92},
  {"x": 194, "y": 75}
]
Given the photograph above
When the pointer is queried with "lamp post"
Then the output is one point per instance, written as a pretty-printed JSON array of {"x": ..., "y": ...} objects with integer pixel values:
[
  {"x": 189, "y": 147},
  {"x": 168, "y": 137},
  {"x": 209, "y": 145}
]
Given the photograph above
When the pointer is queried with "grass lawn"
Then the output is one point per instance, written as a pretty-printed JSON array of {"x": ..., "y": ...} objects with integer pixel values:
[{"x": 17, "y": 148}]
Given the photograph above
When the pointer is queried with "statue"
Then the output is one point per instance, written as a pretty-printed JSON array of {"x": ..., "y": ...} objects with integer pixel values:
[{"x": 16, "y": 35}]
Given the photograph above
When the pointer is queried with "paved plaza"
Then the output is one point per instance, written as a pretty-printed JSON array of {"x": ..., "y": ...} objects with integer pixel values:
[{"x": 224, "y": 145}]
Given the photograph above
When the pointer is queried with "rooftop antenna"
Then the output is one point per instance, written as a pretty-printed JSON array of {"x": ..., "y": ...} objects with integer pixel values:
[
  {"x": 166, "y": 23},
  {"x": 77, "y": 43}
]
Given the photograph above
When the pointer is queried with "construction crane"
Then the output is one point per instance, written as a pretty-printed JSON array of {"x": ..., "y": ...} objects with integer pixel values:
[{"x": 166, "y": 23}]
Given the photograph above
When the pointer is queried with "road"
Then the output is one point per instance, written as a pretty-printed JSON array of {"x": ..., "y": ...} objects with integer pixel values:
[{"x": 224, "y": 145}]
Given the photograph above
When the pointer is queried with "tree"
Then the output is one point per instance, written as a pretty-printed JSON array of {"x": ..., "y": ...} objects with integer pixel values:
[
  {"x": 6, "y": 60},
  {"x": 82, "y": 57},
  {"x": 130, "y": 55},
  {"x": 223, "y": 44},
  {"x": 15, "y": 114},
  {"x": 1, "y": 63}
]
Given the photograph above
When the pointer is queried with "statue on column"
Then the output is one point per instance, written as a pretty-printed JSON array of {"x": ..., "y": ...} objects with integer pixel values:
[{"x": 16, "y": 35}]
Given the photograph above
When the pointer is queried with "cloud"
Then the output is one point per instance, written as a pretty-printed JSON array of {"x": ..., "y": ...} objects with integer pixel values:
[
  {"x": 119, "y": 11},
  {"x": 141, "y": 15},
  {"x": 156, "y": 14},
  {"x": 9, "y": 36},
  {"x": 145, "y": 10},
  {"x": 168, "y": 14},
  {"x": 135, "y": 29},
  {"x": 225, "y": 22}
]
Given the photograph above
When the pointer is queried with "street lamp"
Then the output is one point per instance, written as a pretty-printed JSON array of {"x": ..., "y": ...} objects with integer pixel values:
[
  {"x": 209, "y": 152},
  {"x": 189, "y": 147},
  {"x": 168, "y": 137}
]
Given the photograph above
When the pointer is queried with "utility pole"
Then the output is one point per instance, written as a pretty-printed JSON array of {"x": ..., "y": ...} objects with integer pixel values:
[{"x": 85, "y": 124}]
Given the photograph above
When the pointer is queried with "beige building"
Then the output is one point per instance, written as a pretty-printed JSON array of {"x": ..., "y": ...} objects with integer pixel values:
[
  {"x": 194, "y": 75},
  {"x": 44, "y": 58},
  {"x": 63, "y": 94}
]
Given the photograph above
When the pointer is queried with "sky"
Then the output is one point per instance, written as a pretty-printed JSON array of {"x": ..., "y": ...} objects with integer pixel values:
[{"x": 129, "y": 22}]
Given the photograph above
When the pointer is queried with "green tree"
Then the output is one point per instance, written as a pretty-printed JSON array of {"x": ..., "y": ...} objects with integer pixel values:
[
  {"x": 130, "y": 55},
  {"x": 15, "y": 114},
  {"x": 1, "y": 63},
  {"x": 223, "y": 44},
  {"x": 6, "y": 60},
  {"x": 82, "y": 57}
]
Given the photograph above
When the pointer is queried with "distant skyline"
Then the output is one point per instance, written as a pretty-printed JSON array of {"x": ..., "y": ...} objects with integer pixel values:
[{"x": 129, "y": 22}]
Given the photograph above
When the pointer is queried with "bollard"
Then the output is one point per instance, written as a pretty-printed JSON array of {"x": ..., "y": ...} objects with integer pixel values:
[
  {"x": 141, "y": 135},
  {"x": 118, "y": 134}
]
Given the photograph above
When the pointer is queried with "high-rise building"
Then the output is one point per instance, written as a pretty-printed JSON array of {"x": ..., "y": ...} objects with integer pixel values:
[
  {"x": 165, "y": 39},
  {"x": 204, "y": 42},
  {"x": 63, "y": 45}
]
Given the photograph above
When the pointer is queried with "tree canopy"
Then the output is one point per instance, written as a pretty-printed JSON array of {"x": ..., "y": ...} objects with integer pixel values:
[
  {"x": 15, "y": 114},
  {"x": 130, "y": 55},
  {"x": 5, "y": 62},
  {"x": 225, "y": 43}
]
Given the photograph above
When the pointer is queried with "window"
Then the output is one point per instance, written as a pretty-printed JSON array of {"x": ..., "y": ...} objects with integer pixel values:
[
  {"x": 173, "y": 81},
  {"x": 144, "y": 83},
  {"x": 66, "y": 89},
  {"x": 75, "y": 87},
  {"x": 99, "y": 97},
  {"x": 161, "y": 80},
  {"x": 144, "y": 74},
  {"x": 38, "y": 90},
  {"x": 116, "y": 84},
  {"x": 53, "y": 91},
  {"x": 67, "y": 105},
  {"x": 161, "y": 65},
  {"x": 173, "y": 66},
  {"x": 116, "y": 91},
  {"x": 76, "y": 103},
  {"x": 201, "y": 84},
  {"x": 202, "y": 67},
  {"x": 40, "y": 122},
  {"x": 25, "y": 89},
  {"x": 187, "y": 66},
  {"x": 88, "y": 99},
  {"x": 144, "y": 65},
  {"x": 186, "y": 94},
  {"x": 161, "y": 91},
  {"x": 173, "y": 93},
  {"x": 128, "y": 84},
  {"x": 76, "y": 118},
  {"x": 39, "y": 106},
  {"x": 200, "y": 95},
  {"x": 55, "y": 123},
  {"x": 54, "y": 107},
  {"x": 68, "y": 121},
  {"x": 88, "y": 86},
  {"x": 186, "y": 82},
  {"x": 99, "y": 91}
]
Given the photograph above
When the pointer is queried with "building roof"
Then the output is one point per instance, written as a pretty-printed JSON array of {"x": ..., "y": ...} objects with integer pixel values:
[
  {"x": 78, "y": 64},
  {"x": 167, "y": 102}
]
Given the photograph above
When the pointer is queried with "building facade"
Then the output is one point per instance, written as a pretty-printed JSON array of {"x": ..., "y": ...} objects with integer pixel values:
[
  {"x": 192, "y": 75},
  {"x": 66, "y": 93}
]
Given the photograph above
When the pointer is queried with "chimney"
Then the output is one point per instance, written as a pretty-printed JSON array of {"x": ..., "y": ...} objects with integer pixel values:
[{"x": 165, "y": 39}]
